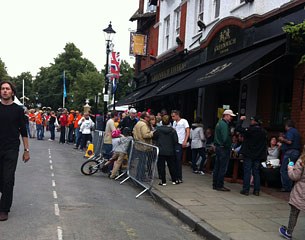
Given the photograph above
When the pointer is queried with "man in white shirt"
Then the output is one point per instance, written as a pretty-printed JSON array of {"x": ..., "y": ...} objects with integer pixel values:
[{"x": 182, "y": 128}]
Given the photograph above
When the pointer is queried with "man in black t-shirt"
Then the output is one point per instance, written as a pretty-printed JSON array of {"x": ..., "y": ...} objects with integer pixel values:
[{"x": 12, "y": 124}]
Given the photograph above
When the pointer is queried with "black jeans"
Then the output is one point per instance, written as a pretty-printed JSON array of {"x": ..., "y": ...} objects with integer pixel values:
[
  {"x": 220, "y": 166},
  {"x": 8, "y": 164},
  {"x": 171, "y": 167},
  {"x": 62, "y": 138}
]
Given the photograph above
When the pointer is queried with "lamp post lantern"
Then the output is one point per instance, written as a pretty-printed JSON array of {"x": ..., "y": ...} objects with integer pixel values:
[{"x": 108, "y": 36}]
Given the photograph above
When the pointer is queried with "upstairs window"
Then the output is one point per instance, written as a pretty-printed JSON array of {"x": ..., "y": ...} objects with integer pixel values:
[
  {"x": 200, "y": 10},
  {"x": 177, "y": 21},
  {"x": 216, "y": 8},
  {"x": 166, "y": 32}
]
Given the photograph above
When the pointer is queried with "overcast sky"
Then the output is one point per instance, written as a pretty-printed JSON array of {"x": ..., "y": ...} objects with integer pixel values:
[{"x": 34, "y": 32}]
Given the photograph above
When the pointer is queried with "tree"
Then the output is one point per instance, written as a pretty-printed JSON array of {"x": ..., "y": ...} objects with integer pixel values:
[
  {"x": 125, "y": 82},
  {"x": 28, "y": 86},
  {"x": 3, "y": 72},
  {"x": 48, "y": 85}
]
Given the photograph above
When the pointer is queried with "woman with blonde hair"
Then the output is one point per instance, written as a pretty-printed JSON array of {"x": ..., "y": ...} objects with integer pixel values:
[{"x": 297, "y": 201}]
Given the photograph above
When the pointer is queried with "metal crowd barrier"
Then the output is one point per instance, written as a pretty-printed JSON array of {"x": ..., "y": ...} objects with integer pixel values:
[
  {"x": 97, "y": 141},
  {"x": 142, "y": 165}
]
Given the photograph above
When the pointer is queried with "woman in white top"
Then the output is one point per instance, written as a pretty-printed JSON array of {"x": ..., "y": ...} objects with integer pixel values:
[{"x": 86, "y": 127}]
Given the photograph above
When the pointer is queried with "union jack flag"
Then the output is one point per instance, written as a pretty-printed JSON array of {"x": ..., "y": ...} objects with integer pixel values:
[{"x": 115, "y": 69}]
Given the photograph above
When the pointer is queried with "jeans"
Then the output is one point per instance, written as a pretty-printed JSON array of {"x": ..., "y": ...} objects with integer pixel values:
[
  {"x": 171, "y": 167},
  {"x": 76, "y": 132},
  {"x": 195, "y": 152},
  {"x": 28, "y": 130},
  {"x": 39, "y": 128},
  {"x": 220, "y": 166},
  {"x": 107, "y": 149},
  {"x": 8, "y": 164},
  {"x": 291, "y": 155},
  {"x": 52, "y": 131},
  {"x": 254, "y": 165},
  {"x": 70, "y": 134},
  {"x": 62, "y": 134},
  {"x": 178, "y": 161}
]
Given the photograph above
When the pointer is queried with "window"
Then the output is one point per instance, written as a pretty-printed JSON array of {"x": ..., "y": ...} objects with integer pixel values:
[
  {"x": 177, "y": 21},
  {"x": 200, "y": 10},
  {"x": 217, "y": 8},
  {"x": 166, "y": 32}
]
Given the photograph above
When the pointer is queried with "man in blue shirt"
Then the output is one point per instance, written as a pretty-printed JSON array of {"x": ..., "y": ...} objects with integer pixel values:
[{"x": 291, "y": 150}]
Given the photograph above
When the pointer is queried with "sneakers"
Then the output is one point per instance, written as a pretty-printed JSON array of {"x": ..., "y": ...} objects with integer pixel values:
[
  {"x": 284, "y": 233},
  {"x": 50, "y": 140},
  {"x": 3, "y": 216},
  {"x": 195, "y": 172},
  {"x": 200, "y": 172},
  {"x": 256, "y": 193},
  {"x": 162, "y": 184}
]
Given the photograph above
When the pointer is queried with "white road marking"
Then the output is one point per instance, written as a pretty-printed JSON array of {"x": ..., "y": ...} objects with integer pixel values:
[
  {"x": 59, "y": 233},
  {"x": 52, "y": 174},
  {"x": 53, "y": 183},
  {"x": 51, "y": 167},
  {"x": 50, "y": 156},
  {"x": 56, "y": 209},
  {"x": 55, "y": 194},
  {"x": 50, "y": 161}
]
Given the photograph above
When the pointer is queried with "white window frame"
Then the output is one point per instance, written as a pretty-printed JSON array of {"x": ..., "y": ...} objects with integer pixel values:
[
  {"x": 200, "y": 7},
  {"x": 167, "y": 33},
  {"x": 177, "y": 13},
  {"x": 216, "y": 4}
]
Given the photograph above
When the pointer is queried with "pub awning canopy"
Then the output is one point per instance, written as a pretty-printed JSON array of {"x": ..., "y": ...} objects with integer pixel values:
[{"x": 223, "y": 70}]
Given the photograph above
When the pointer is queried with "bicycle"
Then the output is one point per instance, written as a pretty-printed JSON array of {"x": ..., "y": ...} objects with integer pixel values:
[{"x": 92, "y": 165}]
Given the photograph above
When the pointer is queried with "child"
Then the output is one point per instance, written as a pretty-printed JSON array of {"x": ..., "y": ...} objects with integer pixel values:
[
  {"x": 120, "y": 151},
  {"x": 296, "y": 201}
]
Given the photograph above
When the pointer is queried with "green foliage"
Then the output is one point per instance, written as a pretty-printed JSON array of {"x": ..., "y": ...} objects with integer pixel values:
[
  {"x": 124, "y": 84},
  {"x": 3, "y": 73},
  {"x": 28, "y": 87},
  {"x": 83, "y": 81},
  {"x": 297, "y": 34}
]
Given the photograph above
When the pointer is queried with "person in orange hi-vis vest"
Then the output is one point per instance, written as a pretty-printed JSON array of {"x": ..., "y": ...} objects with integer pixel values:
[
  {"x": 78, "y": 117},
  {"x": 32, "y": 123},
  {"x": 39, "y": 125},
  {"x": 71, "y": 119}
]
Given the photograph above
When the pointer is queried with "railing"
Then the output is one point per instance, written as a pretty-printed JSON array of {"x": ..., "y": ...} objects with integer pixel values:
[{"x": 142, "y": 165}]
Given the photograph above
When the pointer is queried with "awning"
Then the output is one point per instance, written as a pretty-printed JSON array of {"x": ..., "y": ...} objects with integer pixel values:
[
  {"x": 223, "y": 70},
  {"x": 135, "y": 95},
  {"x": 162, "y": 85}
]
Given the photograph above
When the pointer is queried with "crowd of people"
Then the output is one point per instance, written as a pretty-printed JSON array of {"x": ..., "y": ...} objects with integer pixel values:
[{"x": 172, "y": 134}]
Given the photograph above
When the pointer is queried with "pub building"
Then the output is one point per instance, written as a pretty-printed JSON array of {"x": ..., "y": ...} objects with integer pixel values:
[{"x": 248, "y": 65}]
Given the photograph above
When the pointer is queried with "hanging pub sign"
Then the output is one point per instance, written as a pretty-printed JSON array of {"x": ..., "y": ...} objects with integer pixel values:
[
  {"x": 137, "y": 44},
  {"x": 228, "y": 39}
]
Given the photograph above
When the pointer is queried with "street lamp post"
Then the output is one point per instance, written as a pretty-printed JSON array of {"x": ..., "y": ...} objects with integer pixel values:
[{"x": 108, "y": 36}]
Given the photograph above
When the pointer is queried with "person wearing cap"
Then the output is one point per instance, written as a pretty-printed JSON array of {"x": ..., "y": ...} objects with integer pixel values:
[
  {"x": 291, "y": 145},
  {"x": 222, "y": 142},
  {"x": 129, "y": 121},
  {"x": 254, "y": 151}
]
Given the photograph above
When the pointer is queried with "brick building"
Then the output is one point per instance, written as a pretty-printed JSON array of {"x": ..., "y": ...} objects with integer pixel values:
[{"x": 203, "y": 56}]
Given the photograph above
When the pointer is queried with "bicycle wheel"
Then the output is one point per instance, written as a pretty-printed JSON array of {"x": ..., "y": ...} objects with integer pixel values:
[{"x": 89, "y": 167}]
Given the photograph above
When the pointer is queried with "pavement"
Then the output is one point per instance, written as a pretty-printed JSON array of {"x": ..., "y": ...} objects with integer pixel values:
[{"x": 227, "y": 215}]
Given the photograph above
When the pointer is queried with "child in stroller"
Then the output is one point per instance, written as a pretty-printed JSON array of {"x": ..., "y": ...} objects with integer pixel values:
[{"x": 120, "y": 152}]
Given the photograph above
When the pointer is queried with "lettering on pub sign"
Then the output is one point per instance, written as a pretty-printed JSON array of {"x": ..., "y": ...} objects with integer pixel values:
[{"x": 227, "y": 40}]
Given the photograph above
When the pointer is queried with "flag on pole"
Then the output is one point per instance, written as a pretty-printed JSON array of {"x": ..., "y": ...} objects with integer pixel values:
[
  {"x": 64, "y": 82},
  {"x": 115, "y": 62}
]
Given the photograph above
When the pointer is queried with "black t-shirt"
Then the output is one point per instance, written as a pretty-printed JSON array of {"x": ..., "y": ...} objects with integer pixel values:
[{"x": 12, "y": 124}]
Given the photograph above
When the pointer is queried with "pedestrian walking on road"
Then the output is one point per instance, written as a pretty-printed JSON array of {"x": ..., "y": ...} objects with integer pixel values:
[
  {"x": 254, "y": 151},
  {"x": 12, "y": 124},
  {"x": 223, "y": 142},
  {"x": 297, "y": 201}
]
